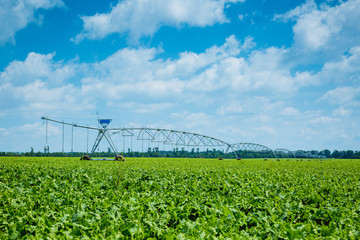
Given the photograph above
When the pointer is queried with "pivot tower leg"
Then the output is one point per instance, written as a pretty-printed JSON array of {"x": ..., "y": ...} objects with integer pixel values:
[{"x": 103, "y": 133}]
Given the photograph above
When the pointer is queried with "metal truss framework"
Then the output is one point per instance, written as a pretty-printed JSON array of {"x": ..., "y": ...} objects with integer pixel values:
[
  {"x": 300, "y": 154},
  {"x": 309, "y": 154},
  {"x": 170, "y": 137},
  {"x": 282, "y": 152},
  {"x": 315, "y": 154},
  {"x": 178, "y": 138},
  {"x": 103, "y": 133},
  {"x": 252, "y": 147}
]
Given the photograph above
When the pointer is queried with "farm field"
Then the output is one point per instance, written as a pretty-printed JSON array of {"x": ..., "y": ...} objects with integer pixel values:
[{"x": 162, "y": 198}]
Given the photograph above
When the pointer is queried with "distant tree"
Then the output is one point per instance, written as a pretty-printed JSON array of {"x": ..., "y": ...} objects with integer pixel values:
[
  {"x": 327, "y": 153},
  {"x": 335, "y": 154},
  {"x": 349, "y": 154},
  {"x": 182, "y": 152}
]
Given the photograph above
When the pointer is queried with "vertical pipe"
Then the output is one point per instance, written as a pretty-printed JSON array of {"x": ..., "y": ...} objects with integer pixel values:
[
  {"x": 123, "y": 144},
  {"x": 63, "y": 137},
  {"x": 159, "y": 142},
  {"x": 97, "y": 113},
  {"x": 87, "y": 141},
  {"x": 121, "y": 134},
  {"x": 46, "y": 138},
  {"x": 72, "y": 138}
]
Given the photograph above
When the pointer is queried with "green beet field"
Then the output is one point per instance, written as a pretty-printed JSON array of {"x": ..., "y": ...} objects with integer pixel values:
[{"x": 159, "y": 198}]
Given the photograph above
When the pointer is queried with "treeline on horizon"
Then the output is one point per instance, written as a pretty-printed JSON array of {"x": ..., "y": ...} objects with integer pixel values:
[{"x": 176, "y": 153}]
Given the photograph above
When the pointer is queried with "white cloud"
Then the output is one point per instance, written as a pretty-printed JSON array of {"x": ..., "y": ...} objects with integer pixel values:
[
  {"x": 38, "y": 129},
  {"x": 144, "y": 18},
  {"x": 266, "y": 69},
  {"x": 267, "y": 131},
  {"x": 269, "y": 69},
  {"x": 229, "y": 80},
  {"x": 322, "y": 120},
  {"x": 190, "y": 63},
  {"x": 233, "y": 107},
  {"x": 343, "y": 95},
  {"x": 16, "y": 15},
  {"x": 230, "y": 84},
  {"x": 198, "y": 121},
  {"x": 341, "y": 112},
  {"x": 305, "y": 8},
  {"x": 290, "y": 111},
  {"x": 218, "y": 67},
  {"x": 37, "y": 67},
  {"x": 260, "y": 122},
  {"x": 36, "y": 95},
  {"x": 4, "y": 132},
  {"x": 121, "y": 90},
  {"x": 39, "y": 82},
  {"x": 344, "y": 70},
  {"x": 37, "y": 98},
  {"x": 144, "y": 108},
  {"x": 322, "y": 28}
]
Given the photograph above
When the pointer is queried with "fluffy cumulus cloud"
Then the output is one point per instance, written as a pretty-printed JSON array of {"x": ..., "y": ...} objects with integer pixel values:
[
  {"x": 233, "y": 91},
  {"x": 346, "y": 69},
  {"x": 37, "y": 67},
  {"x": 143, "y": 18},
  {"x": 16, "y": 15},
  {"x": 247, "y": 92},
  {"x": 345, "y": 74},
  {"x": 36, "y": 98},
  {"x": 320, "y": 28},
  {"x": 219, "y": 68},
  {"x": 42, "y": 82}
]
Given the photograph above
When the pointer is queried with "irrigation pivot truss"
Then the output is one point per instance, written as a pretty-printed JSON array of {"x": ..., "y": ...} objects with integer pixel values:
[
  {"x": 282, "y": 152},
  {"x": 153, "y": 135},
  {"x": 170, "y": 137},
  {"x": 167, "y": 137},
  {"x": 252, "y": 148}
]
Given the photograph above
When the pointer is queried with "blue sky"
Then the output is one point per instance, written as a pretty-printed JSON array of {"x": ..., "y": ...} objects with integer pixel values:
[{"x": 284, "y": 74}]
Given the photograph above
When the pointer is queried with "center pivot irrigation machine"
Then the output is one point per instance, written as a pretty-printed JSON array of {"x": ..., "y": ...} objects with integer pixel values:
[{"x": 173, "y": 138}]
